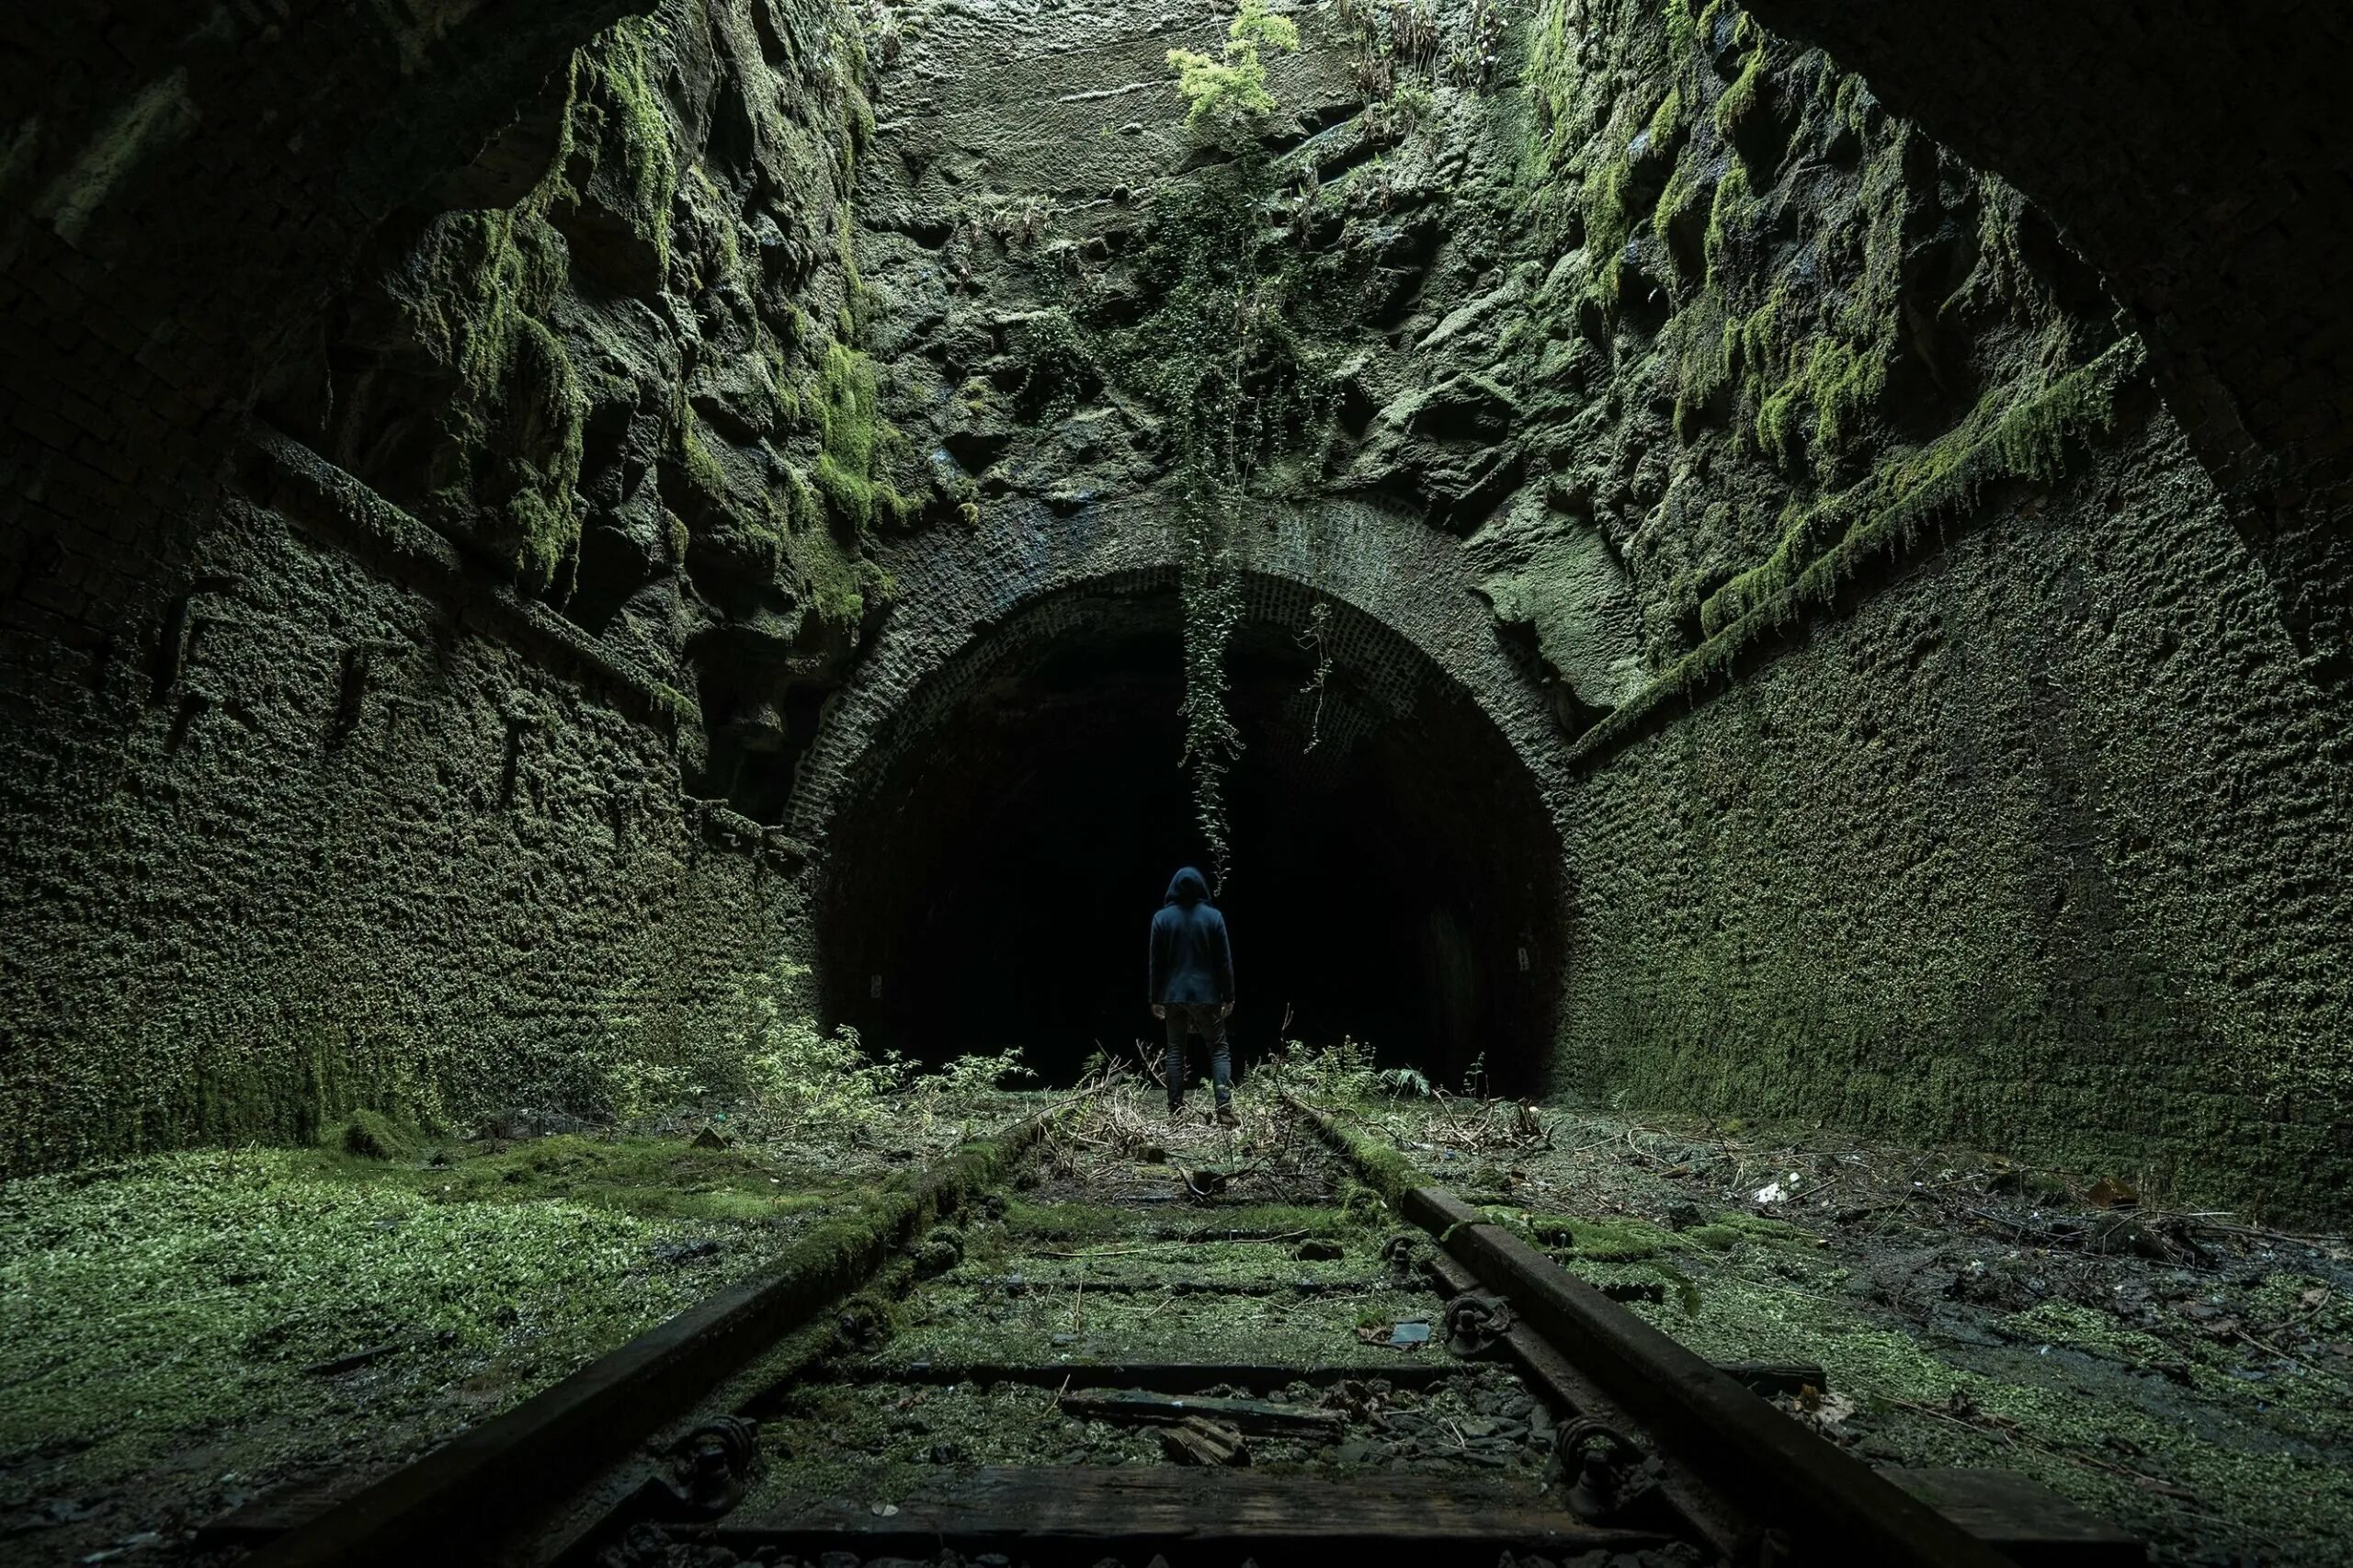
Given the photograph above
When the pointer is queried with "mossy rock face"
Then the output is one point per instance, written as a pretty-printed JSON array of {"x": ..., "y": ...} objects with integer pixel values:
[
  {"x": 372, "y": 1135},
  {"x": 647, "y": 380}
]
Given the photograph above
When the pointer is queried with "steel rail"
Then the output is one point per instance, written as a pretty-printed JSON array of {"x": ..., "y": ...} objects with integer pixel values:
[
  {"x": 1835, "y": 1508},
  {"x": 458, "y": 1502}
]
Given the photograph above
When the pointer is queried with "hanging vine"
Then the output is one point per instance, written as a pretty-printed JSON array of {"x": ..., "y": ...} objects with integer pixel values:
[
  {"x": 1318, "y": 640},
  {"x": 1220, "y": 354},
  {"x": 1224, "y": 358}
]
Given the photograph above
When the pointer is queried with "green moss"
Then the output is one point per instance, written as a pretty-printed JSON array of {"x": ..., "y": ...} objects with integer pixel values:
[
  {"x": 1731, "y": 1229},
  {"x": 1551, "y": 79},
  {"x": 1668, "y": 123},
  {"x": 1734, "y": 207},
  {"x": 2010, "y": 437},
  {"x": 2089, "y": 1434},
  {"x": 1745, "y": 96},
  {"x": 682, "y": 709},
  {"x": 1683, "y": 33},
  {"x": 2063, "y": 1323},
  {"x": 125, "y": 1342},
  {"x": 799, "y": 503},
  {"x": 475, "y": 293},
  {"x": 1850, "y": 104},
  {"x": 838, "y": 583},
  {"x": 1700, "y": 342},
  {"x": 374, "y": 1136},
  {"x": 1613, "y": 1240},
  {"x": 1817, "y": 413},
  {"x": 1686, "y": 189},
  {"x": 1384, "y": 1169},
  {"x": 1608, "y": 218},
  {"x": 701, "y": 466},
  {"x": 1082, "y": 1222},
  {"x": 854, "y": 439},
  {"x": 616, "y": 113},
  {"x": 175, "y": 1304}
]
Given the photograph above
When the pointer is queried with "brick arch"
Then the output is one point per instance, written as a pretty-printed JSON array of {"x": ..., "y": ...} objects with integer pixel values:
[{"x": 1408, "y": 623}]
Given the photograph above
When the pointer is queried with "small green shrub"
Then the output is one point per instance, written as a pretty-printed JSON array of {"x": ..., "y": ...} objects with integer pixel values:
[
  {"x": 827, "y": 1079},
  {"x": 1229, "y": 92}
]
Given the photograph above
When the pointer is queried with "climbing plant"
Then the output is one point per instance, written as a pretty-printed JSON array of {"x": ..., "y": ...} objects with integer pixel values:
[
  {"x": 1318, "y": 640},
  {"x": 1224, "y": 358},
  {"x": 1221, "y": 357}
]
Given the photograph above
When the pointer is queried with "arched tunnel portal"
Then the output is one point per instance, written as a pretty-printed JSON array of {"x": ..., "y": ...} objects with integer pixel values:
[{"x": 994, "y": 850}]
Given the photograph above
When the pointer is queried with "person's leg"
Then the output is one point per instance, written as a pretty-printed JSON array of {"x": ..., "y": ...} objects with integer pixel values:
[
  {"x": 1221, "y": 1056},
  {"x": 1179, "y": 1023}
]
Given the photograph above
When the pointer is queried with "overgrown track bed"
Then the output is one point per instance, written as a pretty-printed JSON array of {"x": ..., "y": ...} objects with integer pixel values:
[{"x": 1109, "y": 1337}]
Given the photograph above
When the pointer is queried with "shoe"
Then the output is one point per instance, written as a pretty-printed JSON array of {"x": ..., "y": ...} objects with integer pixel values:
[
  {"x": 1175, "y": 1109},
  {"x": 1226, "y": 1117}
]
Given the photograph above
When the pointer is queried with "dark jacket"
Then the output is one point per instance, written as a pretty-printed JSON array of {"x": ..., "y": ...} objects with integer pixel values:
[{"x": 1191, "y": 960}]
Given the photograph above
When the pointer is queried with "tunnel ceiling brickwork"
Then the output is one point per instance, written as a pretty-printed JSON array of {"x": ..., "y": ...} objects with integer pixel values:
[
  {"x": 1418, "y": 627},
  {"x": 1690, "y": 410}
]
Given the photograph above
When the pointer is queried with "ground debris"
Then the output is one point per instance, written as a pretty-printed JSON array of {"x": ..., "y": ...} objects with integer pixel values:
[
  {"x": 1136, "y": 1405},
  {"x": 1202, "y": 1441}
]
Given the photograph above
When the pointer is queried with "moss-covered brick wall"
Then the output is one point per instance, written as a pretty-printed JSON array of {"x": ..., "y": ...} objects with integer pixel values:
[
  {"x": 352, "y": 852},
  {"x": 438, "y": 778},
  {"x": 2040, "y": 851},
  {"x": 1948, "y": 768}
]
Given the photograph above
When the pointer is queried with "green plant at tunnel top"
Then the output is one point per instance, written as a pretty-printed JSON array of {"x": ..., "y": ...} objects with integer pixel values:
[{"x": 1229, "y": 92}]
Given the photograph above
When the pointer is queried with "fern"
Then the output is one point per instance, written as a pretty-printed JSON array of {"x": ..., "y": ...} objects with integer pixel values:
[{"x": 1230, "y": 91}]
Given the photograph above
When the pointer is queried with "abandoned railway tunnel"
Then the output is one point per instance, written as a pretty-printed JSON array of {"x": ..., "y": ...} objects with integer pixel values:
[
  {"x": 995, "y": 793},
  {"x": 1767, "y": 580},
  {"x": 1401, "y": 885}
]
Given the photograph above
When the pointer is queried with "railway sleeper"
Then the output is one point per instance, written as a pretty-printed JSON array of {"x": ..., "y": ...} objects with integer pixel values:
[{"x": 1559, "y": 1429}]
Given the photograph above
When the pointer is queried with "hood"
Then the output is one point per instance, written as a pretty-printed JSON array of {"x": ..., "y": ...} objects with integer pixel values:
[{"x": 1187, "y": 886}]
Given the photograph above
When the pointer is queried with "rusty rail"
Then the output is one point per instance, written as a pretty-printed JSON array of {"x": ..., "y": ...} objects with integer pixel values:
[
  {"x": 455, "y": 1504},
  {"x": 1775, "y": 1470}
]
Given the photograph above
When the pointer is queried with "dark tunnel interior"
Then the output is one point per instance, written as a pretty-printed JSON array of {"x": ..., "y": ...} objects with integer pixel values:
[{"x": 1393, "y": 883}]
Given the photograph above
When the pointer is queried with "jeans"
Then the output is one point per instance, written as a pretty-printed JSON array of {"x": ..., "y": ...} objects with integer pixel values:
[{"x": 1208, "y": 1021}]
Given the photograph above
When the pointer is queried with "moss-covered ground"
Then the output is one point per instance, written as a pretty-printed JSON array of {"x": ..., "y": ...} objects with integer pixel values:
[
  {"x": 1103, "y": 1267},
  {"x": 192, "y": 1330},
  {"x": 182, "y": 1333}
]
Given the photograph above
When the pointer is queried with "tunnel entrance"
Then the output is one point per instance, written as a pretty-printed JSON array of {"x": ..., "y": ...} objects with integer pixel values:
[{"x": 1394, "y": 880}]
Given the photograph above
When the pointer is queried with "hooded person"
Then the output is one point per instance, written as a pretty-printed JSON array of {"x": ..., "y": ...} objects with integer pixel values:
[{"x": 1192, "y": 984}]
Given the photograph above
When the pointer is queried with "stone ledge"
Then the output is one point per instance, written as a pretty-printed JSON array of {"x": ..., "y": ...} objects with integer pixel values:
[{"x": 281, "y": 473}]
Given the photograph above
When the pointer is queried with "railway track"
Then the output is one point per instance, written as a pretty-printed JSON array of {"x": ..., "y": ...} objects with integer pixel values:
[{"x": 1061, "y": 1349}]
